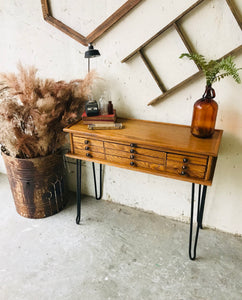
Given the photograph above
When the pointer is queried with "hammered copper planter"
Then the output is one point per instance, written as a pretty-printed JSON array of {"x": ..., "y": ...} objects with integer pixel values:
[{"x": 37, "y": 185}]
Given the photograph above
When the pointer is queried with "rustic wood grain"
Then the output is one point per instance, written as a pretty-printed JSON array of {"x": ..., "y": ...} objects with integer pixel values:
[
  {"x": 175, "y": 23},
  {"x": 235, "y": 12},
  {"x": 114, "y": 18},
  {"x": 151, "y": 147},
  {"x": 162, "y": 30},
  {"x": 152, "y": 71},
  {"x": 84, "y": 141},
  {"x": 91, "y": 154},
  {"x": 135, "y": 156},
  {"x": 199, "y": 160},
  {"x": 160, "y": 135},
  {"x": 185, "y": 40},
  {"x": 191, "y": 170},
  {"x": 138, "y": 149},
  {"x": 96, "y": 33},
  {"x": 190, "y": 78}
]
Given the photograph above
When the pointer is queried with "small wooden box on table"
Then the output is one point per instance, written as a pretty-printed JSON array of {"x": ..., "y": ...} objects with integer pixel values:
[{"x": 162, "y": 149}]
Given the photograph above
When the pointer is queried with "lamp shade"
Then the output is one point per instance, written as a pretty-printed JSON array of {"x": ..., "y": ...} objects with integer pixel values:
[{"x": 91, "y": 52}]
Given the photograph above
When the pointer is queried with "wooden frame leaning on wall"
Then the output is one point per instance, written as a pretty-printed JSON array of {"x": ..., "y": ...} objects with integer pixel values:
[
  {"x": 176, "y": 25},
  {"x": 96, "y": 33}
]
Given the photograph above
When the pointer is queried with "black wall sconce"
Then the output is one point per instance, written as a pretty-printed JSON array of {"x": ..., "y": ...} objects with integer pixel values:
[{"x": 90, "y": 53}]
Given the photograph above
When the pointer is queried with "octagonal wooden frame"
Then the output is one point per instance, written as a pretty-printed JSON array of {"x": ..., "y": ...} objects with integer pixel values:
[{"x": 96, "y": 33}]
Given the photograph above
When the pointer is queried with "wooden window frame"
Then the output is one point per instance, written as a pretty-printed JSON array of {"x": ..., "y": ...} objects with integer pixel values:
[
  {"x": 96, "y": 33},
  {"x": 176, "y": 25}
]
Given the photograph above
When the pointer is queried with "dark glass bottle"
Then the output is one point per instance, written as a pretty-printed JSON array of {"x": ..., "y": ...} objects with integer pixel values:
[
  {"x": 110, "y": 107},
  {"x": 204, "y": 114}
]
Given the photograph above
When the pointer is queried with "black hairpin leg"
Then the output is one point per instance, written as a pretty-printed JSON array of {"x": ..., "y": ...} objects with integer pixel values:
[
  {"x": 200, "y": 210},
  {"x": 95, "y": 183},
  {"x": 78, "y": 189}
]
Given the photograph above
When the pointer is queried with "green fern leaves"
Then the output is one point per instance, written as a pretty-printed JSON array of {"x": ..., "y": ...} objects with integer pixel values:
[{"x": 215, "y": 70}]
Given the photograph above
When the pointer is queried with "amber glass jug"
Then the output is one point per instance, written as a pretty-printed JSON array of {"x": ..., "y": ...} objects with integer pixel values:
[{"x": 204, "y": 114}]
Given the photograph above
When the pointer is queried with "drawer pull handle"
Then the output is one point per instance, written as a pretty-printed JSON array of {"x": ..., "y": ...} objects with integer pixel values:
[
  {"x": 132, "y": 163},
  {"x": 132, "y": 145},
  {"x": 185, "y": 160},
  {"x": 184, "y": 167},
  {"x": 87, "y": 148},
  {"x": 132, "y": 151},
  {"x": 183, "y": 173},
  {"x": 88, "y": 154},
  {"x": 132, "y": 156},
  {"x": 86, "y": 142}
]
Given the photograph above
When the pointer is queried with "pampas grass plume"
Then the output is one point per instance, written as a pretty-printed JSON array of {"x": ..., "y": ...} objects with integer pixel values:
[{"x": 34, "y": 111}]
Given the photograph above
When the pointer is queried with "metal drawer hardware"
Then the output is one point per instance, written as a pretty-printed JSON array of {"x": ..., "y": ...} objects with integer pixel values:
[
  {"x": 185, "y": 160},
  {"x": 87, "y": 148},
  {"x": 132, "y": 151},
  {"x": 88, "y": 155},
  {"x": 132, "y": 163},
  {"x": 183, "y": 173},
  {"x": 132, "y": 145},
  {"x": 132, "y": 156},
  {"x": 184, "y": 167},
  {"x": 86, "y": 142}
]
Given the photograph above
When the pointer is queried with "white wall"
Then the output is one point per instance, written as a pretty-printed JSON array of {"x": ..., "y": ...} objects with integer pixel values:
[{"x": 25, "y": 36}]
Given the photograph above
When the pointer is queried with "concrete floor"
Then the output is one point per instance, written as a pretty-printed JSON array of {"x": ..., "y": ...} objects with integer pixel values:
[{"x": 116, "y": 253}]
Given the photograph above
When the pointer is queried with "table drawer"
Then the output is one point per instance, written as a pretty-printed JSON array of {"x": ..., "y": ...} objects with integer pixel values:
[
  {"x": 184, "y": 158},
  {"x": 135, "y": 163},
  {"x": 134, "y": 156},
  {"x": 88, "y": 147},
  {"x": 186, "y": 166},
  {"x": 133, "y": 148},
  {"x": 82, "y": 142},
  {"x": 89, "y": 154},
  {"x": 190, "y": 170}
]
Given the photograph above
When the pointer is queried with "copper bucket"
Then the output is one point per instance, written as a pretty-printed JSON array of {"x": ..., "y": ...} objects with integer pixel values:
[{"x": 37, "y": 185}]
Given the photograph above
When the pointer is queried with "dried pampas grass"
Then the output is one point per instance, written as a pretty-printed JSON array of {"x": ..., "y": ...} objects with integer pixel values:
[{"x": 33, "y": 111}]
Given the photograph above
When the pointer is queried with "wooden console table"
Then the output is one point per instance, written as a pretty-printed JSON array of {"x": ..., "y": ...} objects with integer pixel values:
[{"x": 162, "y": 149}]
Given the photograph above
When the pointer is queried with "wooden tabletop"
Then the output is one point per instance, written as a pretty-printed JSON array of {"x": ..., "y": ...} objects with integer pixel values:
[{"x": 161, "y": 135}]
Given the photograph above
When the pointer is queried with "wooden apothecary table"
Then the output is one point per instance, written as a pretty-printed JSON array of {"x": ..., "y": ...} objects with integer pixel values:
[{"x": 162, "y": 149}]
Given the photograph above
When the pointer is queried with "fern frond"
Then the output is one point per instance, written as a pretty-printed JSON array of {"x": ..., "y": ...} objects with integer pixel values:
[
  {"x": 212, "y": 68},
  {"x": 228, "y": 65},
  {"x": 197, "y": 58}
]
